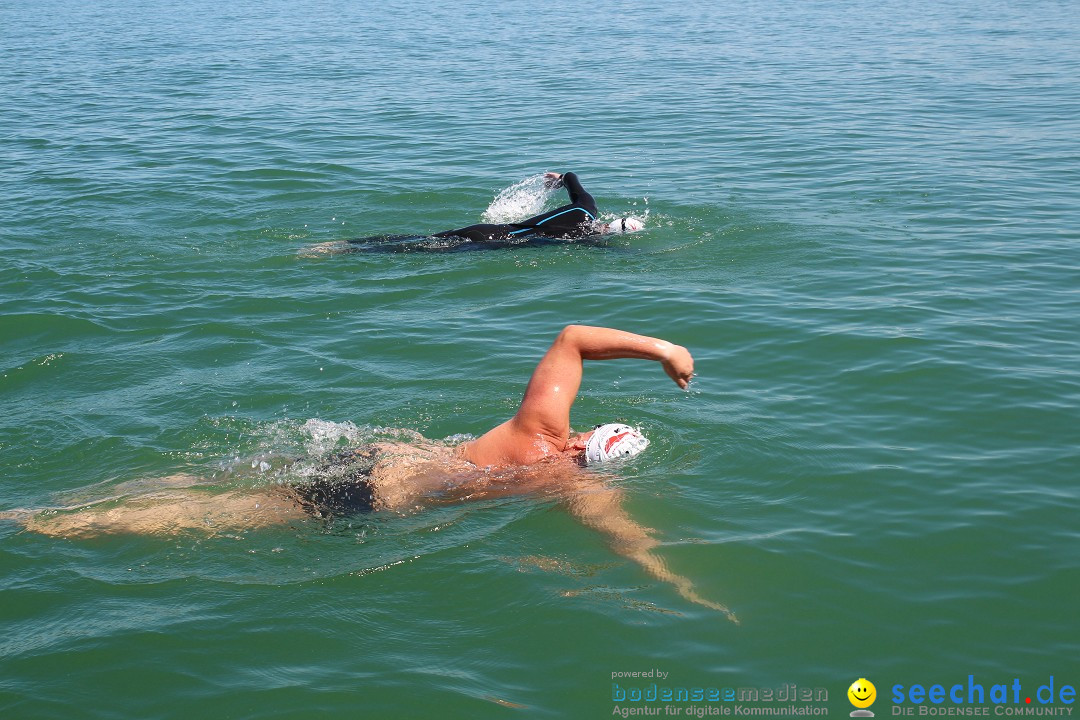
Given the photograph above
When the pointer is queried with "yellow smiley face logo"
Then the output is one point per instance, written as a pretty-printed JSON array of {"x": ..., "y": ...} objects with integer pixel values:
[{"x": 862, "y": 693}]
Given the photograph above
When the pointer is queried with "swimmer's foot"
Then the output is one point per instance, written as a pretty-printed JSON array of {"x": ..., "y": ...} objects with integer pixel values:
[
  {"x": 318, "y": 250},
  {"x": 19, "y": 515}
]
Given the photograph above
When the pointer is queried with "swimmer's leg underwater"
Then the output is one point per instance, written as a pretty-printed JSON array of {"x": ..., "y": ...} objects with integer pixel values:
[
  {"x": 166, "y": 512},
  {"x": 379, "y": 244},
  {"x": 450, "y": 242}
]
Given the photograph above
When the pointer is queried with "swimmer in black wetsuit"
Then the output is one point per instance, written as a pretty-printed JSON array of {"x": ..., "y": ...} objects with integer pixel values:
[{"x": 575, "y": 221}]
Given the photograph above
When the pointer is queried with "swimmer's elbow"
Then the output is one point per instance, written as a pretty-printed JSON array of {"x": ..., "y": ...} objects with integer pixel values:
[
  {"x": 634, "y": 548},
  {"x": 576, "y": 339},
  {"x": 572, "y": 332},
  {"x": 581, "y": 334}
]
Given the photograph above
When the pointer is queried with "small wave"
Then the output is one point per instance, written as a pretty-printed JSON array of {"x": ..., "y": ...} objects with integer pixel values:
[{"x": 519, "y": 201}]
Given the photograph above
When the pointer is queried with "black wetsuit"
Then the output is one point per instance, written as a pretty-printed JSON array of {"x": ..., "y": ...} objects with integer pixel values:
[{"x": 575, "y": 220}]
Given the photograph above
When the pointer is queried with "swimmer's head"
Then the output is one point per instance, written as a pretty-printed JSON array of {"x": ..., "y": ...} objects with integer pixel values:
[
  {"x": 624, "y": 225},
  {"x": 614, "y": 440}
]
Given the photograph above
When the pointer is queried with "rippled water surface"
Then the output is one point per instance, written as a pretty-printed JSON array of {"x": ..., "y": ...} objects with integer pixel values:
[{"x": 861, "y": 219}]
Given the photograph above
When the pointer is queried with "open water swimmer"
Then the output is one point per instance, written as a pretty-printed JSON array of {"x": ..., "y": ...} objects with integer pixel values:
[
  {"x": 534, "y": 452},
  {"x": 576, "y": 221}
]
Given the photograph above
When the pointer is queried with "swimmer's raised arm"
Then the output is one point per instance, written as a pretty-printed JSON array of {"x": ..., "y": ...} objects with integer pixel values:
[
  {"x": 541, "y": 425},
  {"x": 578, "y": 194},
  {"x": 551, "y": 392}
]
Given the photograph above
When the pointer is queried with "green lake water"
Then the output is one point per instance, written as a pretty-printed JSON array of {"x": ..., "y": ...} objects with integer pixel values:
[{"x": 861, "y": 218}]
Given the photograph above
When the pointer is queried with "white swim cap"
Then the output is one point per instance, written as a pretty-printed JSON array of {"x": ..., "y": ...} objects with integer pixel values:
[
  {"x": 613, "y": 440},
  {"x": 625, "y": 225}
]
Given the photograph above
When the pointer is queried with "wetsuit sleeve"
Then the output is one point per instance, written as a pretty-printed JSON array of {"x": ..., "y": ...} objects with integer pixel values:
[
  {"x": 578, "y": 194},
  {"x": 574, "y": 220}
]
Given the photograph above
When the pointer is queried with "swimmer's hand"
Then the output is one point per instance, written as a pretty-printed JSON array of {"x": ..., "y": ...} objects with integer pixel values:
[
  {"x": 679, "y": 365},
  {"x": 553, "y": 179}
]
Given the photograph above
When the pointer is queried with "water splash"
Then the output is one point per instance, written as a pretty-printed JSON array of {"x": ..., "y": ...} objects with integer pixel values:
[
  {"x": 324, "y": 435},
  {"x": 519, "y": 201}
]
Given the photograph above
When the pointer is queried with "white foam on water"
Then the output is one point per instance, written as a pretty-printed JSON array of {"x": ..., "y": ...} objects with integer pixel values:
[
  {"x": 323, "y": 435},
  {"x": 519, "y": 201}
]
